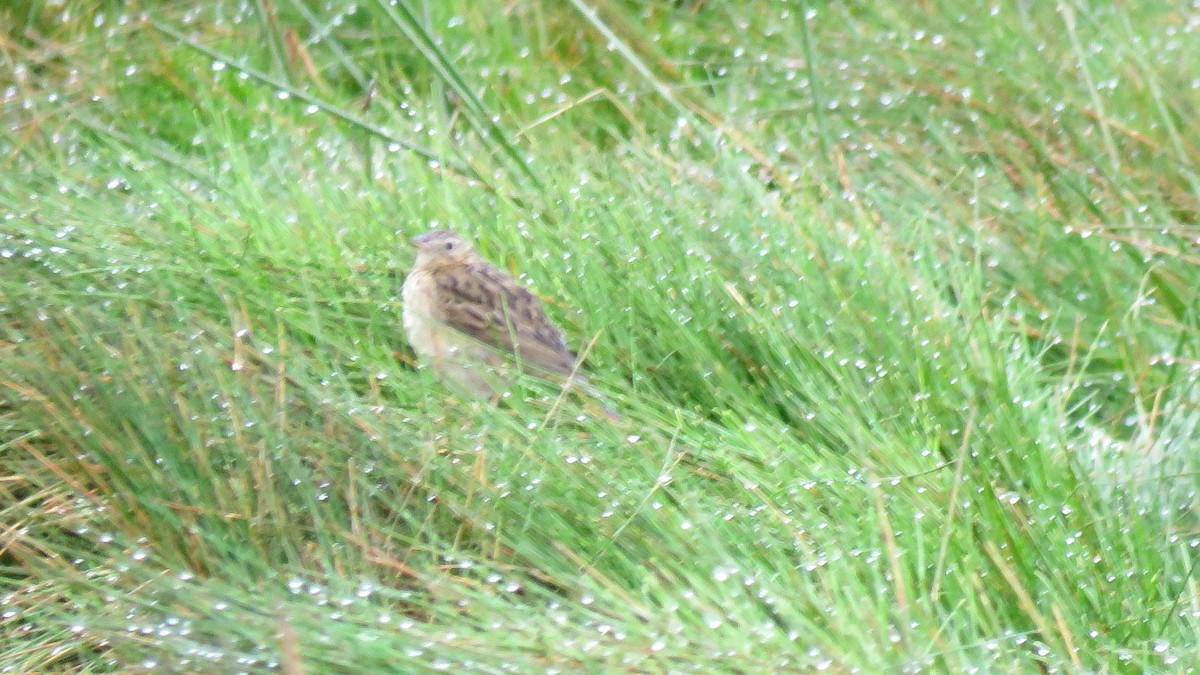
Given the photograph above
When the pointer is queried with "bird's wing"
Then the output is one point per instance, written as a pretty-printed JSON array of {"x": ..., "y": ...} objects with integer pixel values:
[{"x": 488, "y": 305}]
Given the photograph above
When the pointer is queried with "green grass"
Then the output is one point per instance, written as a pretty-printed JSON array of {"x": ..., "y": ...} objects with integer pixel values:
[{"x": 899, "y": 304}]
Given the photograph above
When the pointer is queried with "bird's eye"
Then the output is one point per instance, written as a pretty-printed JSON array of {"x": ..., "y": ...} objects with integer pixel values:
[{"x": 449, "y": 246}]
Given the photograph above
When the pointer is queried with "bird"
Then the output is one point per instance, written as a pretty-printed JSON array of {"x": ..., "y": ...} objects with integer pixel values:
[{"x": 470, "y": 322}]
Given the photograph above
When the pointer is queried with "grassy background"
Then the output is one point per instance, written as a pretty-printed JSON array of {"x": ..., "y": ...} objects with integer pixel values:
[{"x": 899, "y": 303}]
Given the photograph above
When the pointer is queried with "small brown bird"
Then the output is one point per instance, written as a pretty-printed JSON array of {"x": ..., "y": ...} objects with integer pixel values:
[{"x": 469, "y": 320}]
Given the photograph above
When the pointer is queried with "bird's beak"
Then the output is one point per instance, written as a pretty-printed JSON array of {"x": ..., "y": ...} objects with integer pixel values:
[{"x": 420, "y": 240}]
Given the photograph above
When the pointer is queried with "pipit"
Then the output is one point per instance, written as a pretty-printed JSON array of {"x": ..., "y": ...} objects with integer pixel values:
[{"x": 470, "y": 321}]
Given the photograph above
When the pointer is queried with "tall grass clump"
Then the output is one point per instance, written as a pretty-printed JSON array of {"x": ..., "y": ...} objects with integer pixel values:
[{"x": 898, "y": 304}]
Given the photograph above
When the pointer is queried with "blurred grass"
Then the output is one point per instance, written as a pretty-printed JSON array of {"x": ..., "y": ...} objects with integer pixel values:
[{"x": 899, "y": 305}]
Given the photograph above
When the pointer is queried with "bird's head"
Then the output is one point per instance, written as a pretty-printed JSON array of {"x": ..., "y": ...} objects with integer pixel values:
[{"x": 443, "y": 247}]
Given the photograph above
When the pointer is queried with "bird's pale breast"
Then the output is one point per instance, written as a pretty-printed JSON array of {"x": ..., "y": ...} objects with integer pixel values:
[
  {"x": 419, "y": 310},
  {"x": 460, "y": 359}
]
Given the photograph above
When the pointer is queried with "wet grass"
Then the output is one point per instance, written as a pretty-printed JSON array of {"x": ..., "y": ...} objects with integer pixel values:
[{"x": 899, "y": 307}]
